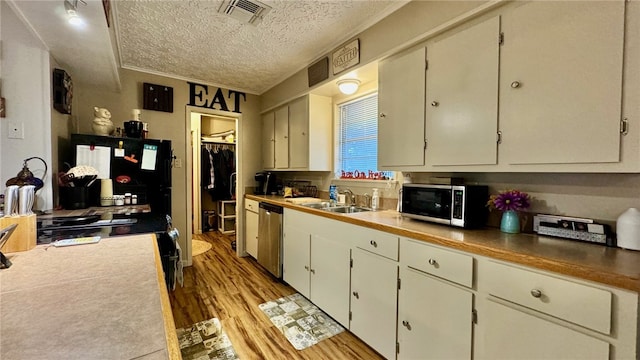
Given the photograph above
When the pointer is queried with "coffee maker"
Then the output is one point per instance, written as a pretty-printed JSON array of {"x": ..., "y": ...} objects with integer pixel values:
[{"x": 266, "y": 183}]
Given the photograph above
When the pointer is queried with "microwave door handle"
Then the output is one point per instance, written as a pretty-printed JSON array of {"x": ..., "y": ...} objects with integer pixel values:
[{"x": 400, "y": 200}]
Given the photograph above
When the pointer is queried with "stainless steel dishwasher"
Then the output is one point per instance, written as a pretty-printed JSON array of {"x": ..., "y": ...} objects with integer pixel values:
[{"x": 270, "y": 238}]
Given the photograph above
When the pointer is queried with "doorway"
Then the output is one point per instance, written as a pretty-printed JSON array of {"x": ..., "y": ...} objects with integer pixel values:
[{"x": 215, "y": 166}]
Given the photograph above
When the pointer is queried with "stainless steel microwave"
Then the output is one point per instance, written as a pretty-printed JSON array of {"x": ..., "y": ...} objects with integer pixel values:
[{"x": 456, "y": 205}]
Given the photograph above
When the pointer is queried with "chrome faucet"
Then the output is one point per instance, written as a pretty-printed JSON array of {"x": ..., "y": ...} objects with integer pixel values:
[{"x": 352, "y": 198}]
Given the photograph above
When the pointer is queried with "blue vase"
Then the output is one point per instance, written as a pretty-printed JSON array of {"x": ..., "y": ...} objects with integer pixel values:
[{"x": 510, "y": 222}]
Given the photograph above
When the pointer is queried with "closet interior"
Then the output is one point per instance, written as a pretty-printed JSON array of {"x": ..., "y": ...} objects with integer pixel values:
[{"x": 216, "y": 170}]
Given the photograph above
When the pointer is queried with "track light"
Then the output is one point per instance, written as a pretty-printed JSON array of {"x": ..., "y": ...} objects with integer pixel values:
[
  {"x": 348, "y": 86},
  {"x": 71, "y": 6}
]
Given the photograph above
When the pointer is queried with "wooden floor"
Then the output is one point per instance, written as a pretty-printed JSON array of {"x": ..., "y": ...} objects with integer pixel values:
[{"x": 220, "y": 284}]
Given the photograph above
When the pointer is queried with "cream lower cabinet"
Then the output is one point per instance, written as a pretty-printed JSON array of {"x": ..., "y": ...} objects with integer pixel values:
[
  {"x": 513, "y": 334},
  {"x": 435, "y": 310},
  {"x": 374, "y": 281},
  {"x": 317, "y": 263},
  {"x": 434, "y": 318},
  {"x": 251, "y": 227},
  {"x": 530, "y": 314}
]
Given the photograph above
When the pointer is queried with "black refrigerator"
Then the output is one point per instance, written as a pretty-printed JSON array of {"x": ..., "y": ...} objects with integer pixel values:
[{"x": 141, "y": 167}]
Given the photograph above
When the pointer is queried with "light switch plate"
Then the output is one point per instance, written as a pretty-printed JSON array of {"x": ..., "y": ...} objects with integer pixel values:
[
  {"x": 15, "y": 130},
  {"x": 177, "y": 163}
]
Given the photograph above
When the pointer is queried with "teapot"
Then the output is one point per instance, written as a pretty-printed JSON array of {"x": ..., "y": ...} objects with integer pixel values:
[{"x": 26, "y": 177}]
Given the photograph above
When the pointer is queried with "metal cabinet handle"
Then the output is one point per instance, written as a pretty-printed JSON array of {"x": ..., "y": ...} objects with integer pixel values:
[
  {"x": 435, "y": 103},
  {"x": 313, "y": 271},
  {"x": 383, "y": 115},
  {"x": 433, "y": 262},
  {"x": 357, "y": 296},
  {"x": 515, "y": 84},
  {"x": 306, "y": 267},
  {"x": 536, "y": 293},
  {"x": 406, "y": 324},
  {"x": 373, "y": 243}
]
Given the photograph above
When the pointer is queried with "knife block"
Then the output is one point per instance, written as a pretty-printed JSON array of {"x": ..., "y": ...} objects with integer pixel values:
[{"x": 24, "y": 236}]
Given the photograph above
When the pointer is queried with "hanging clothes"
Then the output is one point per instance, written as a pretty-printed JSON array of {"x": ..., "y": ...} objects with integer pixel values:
[{"x": 218, "y": 164}]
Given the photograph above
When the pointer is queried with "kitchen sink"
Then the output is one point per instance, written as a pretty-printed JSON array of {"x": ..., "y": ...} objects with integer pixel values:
[
  {"x": 319, "y": 205},
  {"x": 327, "y": 206},
  {"x": 346, "y": 209}
]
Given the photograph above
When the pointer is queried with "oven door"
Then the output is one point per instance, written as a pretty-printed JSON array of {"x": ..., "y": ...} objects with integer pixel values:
[{"x": 427, "y": 202}]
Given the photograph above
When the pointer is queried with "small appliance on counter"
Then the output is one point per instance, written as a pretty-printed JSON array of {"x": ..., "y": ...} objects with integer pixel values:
[
  {"x": 573, "y": 228},
  {"x": 455, "y": 205},
  {"x": 266, "y": 183}
]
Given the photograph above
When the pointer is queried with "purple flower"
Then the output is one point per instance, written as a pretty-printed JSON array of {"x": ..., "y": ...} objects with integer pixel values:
[{"x": 510, "y": 200}]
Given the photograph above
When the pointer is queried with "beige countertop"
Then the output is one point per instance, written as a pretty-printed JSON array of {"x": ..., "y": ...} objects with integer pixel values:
[
  {"x": 97, "y": 301},
  {"x": 611, "y": 266}
]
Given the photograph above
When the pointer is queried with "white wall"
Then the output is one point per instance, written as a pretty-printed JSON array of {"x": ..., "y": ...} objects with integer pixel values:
[{"x": 26, "y": 87}]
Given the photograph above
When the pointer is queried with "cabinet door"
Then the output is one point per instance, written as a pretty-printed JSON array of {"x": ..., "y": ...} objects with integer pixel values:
[
  {"x": 330, "y": 277},
  {"x": 268, "y": 140},
  {"x": 299, "y": 134},
  {"x": 434, "y": 318},
  {"x": 512, "y": 334},
  {"x": 282, "y": 138},
  {"x": 296, "y": 247},
  {"x": 462, "y": 97},
  {"x": 251, "y": 233},
  {"x": 561, "y": 82},
  {"x": 401, "y": 87},
  {"x": 374, "y": 284}
]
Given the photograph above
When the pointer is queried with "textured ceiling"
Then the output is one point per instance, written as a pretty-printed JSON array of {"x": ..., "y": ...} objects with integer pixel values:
[{"x": 191, "y": 40}]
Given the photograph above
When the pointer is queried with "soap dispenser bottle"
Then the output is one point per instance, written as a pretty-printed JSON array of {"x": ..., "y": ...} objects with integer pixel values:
[{"x": 375, "y": 200}]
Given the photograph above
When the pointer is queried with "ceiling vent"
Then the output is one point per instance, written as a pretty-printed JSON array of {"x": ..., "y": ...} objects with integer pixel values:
[{"x": 246, "y": 11}]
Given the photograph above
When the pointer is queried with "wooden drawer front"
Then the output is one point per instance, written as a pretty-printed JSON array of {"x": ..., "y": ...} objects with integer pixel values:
[
  {"x": 449, "y": 265},
  {"x": 378, "y": 242},
  {"x": 577, "y": 303},
  {"x": 251, "y": 205}
]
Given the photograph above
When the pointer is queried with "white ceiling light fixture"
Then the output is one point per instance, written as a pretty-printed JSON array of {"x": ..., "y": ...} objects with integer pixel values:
[
  {"x": 71, "y": 7},
  {"x": 348, "y": 86}
]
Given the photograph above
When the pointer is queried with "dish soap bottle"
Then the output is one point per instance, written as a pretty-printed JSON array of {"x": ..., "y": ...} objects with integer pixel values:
[{"x": 375, "y": 200}]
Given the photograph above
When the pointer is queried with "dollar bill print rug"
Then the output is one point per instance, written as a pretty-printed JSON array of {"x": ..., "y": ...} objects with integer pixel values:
[
  {"x": 205, "y": 341},
  {"x": 301, "y": 322}
]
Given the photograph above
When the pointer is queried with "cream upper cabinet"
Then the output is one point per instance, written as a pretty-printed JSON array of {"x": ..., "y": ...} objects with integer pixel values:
[
  {"x": 298, "y": 136},
  {"x": 462, "y": 97},
  {"x": 268, "y": 140},
  {"x": 310, "y": 136},
  {"x": 281, "y": 135},
  {"x": 561, "y": 82},
  {"x": 401, "y": 96}
]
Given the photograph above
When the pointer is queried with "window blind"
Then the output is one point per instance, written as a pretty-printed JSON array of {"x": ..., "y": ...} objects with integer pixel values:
[{"x": 358, "y": 138}]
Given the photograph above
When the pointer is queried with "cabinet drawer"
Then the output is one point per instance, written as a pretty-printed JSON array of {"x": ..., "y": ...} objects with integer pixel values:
[
  {"x": 251, "y": 205},
  {"x": 577, "y": 303},
  {"x": 449, "y": 265},
  {"x": 378, "y": 242}
]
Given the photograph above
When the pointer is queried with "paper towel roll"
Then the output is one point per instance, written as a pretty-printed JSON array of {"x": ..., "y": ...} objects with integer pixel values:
[{"x": 106, "y": 192}]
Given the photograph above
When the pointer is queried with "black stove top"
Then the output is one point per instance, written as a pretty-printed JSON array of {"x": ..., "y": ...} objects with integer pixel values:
[{"x": 64, "y": 227}]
